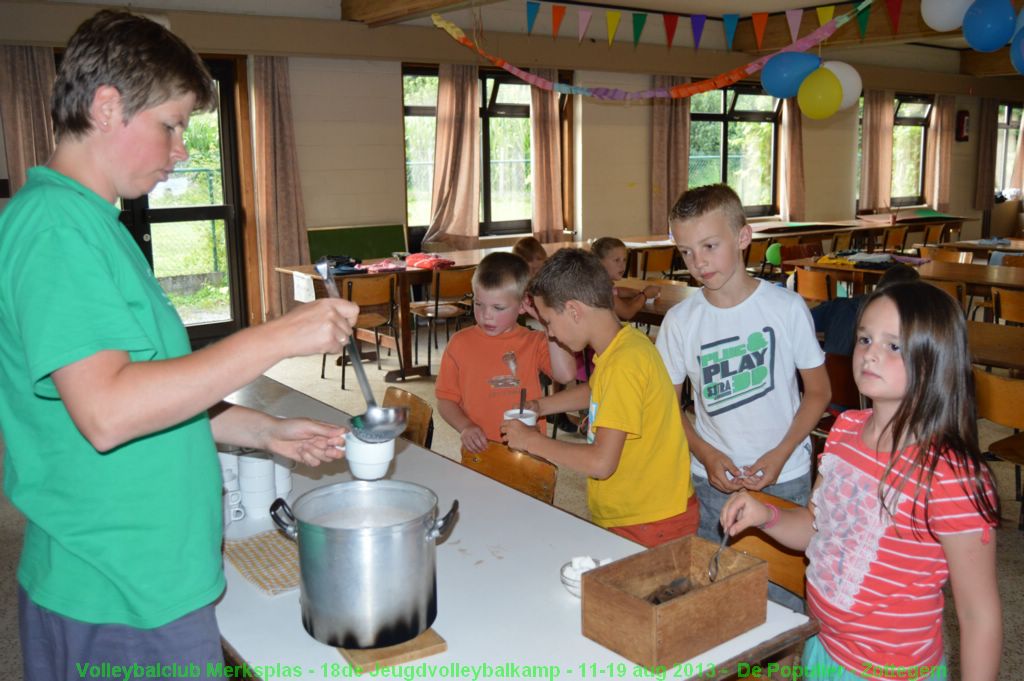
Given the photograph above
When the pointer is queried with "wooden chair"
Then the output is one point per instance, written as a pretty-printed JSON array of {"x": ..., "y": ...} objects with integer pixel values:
[
  {"x": 420, "y": 426},
  {"x": 948, "y": 255},
  {"x": 894, "y": 239},
  {"x": 661, "y": 261},
  {"x": 841, "y": 241},
  {"x": 1013, "y": 261},
  {"x": 935, "y": 233},
  {"x": 520, "y": 471},
  {"x": 814, "y": 286},
  {"x": 786, "y": 567},
  {"x": 844, "y": 393},
  {"x": 755, "y": 262},
  {"x": 451, "y": 299},
  {"x": 955, "y": 289},
  {"x": 378, "y": 310},
  {"x": 1008, "y": 305},
  {"x": 999, "y": 400}
]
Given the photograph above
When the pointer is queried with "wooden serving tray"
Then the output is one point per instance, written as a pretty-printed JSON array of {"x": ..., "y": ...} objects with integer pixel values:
[{"x": 371, "y": 659}]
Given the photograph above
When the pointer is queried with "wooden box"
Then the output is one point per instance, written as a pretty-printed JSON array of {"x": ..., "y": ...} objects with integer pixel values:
[{"x": 617, "y": 614}]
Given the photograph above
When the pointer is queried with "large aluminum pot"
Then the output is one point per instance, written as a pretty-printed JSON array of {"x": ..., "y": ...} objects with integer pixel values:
[{"x": 366, "y": 553}]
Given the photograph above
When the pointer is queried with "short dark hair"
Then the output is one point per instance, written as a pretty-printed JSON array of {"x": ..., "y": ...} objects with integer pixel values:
[
  {"x": 502, "y": 270},
  {"x": 529, "y": 248},
  {"x": 898, "y": 274},
  {"x": 573, "y": 274},
  {"x": 605, "y": 245},
  {"x": 700, "y": 201},
  {"x": 147, "y": 64}
]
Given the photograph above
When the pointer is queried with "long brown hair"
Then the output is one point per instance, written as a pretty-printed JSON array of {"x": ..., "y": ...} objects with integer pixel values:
[{"x": 938, "y": 411}]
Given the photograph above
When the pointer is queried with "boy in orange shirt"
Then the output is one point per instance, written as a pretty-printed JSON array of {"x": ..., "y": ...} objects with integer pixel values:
[{"x": 485, "y": 366}]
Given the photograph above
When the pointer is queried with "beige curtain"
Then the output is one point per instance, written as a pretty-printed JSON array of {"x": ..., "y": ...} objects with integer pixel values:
[
  {"x": 988, "y": 129},
  {"x": 939, "y": 153},
  {"x": 1017, "y": 177},
  {"x": 876, "y": 151},
  {"x": 792, "y": 195},
  {"x": 546, "y": 160},
  {"x": 25, "y": 87},
  {"x": 280, "y": 215},
  {"x": 670, "y": 152},
  {"x": 455, "y": 198}
]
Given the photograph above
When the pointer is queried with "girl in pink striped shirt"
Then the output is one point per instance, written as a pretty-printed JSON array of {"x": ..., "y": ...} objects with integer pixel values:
[{"x": 903, "y": 502}]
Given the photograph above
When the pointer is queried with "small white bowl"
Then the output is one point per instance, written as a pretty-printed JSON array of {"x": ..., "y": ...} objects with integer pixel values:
[{"x": 572, "y": 584}]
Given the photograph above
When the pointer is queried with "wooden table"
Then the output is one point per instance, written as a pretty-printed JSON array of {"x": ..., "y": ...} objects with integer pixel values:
[
  {"x": 984, "y": 249},
  {"x": 499, "y": 597},
  {"x": 996, "y": 345},
  {"x": 976, "y": 276},
  {"x": 654, "y": 310}
]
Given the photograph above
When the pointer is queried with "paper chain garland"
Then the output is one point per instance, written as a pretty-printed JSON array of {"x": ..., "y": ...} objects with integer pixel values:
[{"x": 718, "y": 82}]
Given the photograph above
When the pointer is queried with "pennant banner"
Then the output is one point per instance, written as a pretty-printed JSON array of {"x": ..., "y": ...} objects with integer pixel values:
[
  {"x": 584, "y": 21},
  {"x": 671, "y": 21},
  {"x": 557, "y": 14},
  {"x": 611, "y": 18},
  {"x": 793, "y": 18},
  {"x": 862, "y": 21},
  {"x": 759, "y": 21},
  {"x": 729, "y": 23},
  {"x": 531, "y": 15},
  {"x": 677, "y": 92},
  {"x": 825, "y": 14},
  {"x": 697, "y": 26},
  {"x": 639, "y": 21},
  {"x": 895, "y": 6}
]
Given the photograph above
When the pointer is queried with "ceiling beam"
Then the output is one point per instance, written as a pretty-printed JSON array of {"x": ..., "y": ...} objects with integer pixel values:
[
  {"x": 776, "y": 33},
  {"x": 381, "y": 12},
  {"x": 987, "y": 63}
]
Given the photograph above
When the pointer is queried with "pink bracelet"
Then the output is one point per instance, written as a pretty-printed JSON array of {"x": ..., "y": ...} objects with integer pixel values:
[{"x": 772, "y": 519}]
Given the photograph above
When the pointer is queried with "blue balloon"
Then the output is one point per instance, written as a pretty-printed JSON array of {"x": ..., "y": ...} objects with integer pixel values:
[
  {"x": 1017, "y": 52},
  {"x": 988, "y": 24},
  {"x": 782, "y": 75}
]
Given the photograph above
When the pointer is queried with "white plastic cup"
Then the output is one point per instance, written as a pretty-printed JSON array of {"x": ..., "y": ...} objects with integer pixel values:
[
  {"x": 368, "y": 460},
  {"x": 529, "y": 417}
]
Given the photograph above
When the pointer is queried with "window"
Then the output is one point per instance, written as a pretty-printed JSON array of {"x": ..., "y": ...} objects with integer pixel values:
[
  {"x": 909, "y": 136},
  {"x": 1007, "y": 137},
  {"x": 734, "y": 139},
  {"x": 506, "y": 196}
]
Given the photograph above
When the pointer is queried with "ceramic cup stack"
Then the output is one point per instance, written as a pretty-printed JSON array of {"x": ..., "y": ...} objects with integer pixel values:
[
  {"x": 283, "y": 476},
  {"x": 256, "y": 480},
  {"x": 233, "y": 509}
]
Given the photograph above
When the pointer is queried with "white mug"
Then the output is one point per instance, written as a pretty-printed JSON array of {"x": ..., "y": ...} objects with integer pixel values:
[
  {"x": 368, "y": 460},
  {"x": 230, "y": 480}
]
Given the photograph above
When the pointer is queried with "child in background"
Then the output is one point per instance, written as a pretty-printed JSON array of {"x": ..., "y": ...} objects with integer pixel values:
[
  {"x": 613, "y": 255},
  {"x": 636, "y": 453},
  {"x": 741, "y": 342},
  {"x": 108, "y": 417},
  {"x": 532, "y": 251},
  {"x": 904, "y": 501},
  {"x": 485, "y": 366}
]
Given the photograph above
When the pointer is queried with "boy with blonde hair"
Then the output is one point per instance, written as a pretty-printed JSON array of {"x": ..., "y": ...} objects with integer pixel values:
[
  {"x": 636, "y": 454},
  {"x": 485, "y": 367},
  {"x": 741, "y": 342}
]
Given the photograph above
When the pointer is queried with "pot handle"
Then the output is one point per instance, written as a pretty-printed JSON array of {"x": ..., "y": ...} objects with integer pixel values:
[
  {"x": 283, "y": 517},
  {"x": 443, "y": 525}
]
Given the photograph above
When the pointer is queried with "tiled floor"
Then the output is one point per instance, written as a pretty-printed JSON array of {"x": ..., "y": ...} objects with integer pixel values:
[{"x": 304, "y": 375}]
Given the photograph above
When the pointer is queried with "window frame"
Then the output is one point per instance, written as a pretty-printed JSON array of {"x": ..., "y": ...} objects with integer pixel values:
[
  {"x": 1006, "y": 123},
  {"x": 917, "y": 122},
  {"x": 730, "y": 115}
]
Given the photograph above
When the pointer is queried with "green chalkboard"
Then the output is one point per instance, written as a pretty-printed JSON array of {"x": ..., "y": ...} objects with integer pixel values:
[{"x": 365, "y": 243}]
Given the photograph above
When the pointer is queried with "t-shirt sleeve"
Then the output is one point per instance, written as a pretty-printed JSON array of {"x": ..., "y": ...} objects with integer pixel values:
[
  {"x": 950, "y": 510},
  {"x": 68, "y": 306},
  {"x": 447, "y": 385},
  {"x": 671, "y": 346},
  {"x": 807, "y": 352}
]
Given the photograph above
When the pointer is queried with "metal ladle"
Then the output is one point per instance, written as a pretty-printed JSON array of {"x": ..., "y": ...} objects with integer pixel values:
[{"x": 378, "y": 424}]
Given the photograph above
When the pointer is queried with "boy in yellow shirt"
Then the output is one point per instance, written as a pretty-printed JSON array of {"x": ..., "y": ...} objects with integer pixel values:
[{"x": 636, "y": 453}]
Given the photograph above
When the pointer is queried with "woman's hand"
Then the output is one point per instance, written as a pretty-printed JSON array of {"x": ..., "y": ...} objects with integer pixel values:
[{"x": 304, "y": 440}]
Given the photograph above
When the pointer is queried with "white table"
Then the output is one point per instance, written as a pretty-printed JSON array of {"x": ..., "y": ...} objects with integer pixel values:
[{"x": 499, "y": 596}]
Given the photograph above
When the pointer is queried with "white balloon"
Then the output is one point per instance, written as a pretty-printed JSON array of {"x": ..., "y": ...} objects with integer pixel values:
[
  {"x": 849, "y": 79},
  {"x": 944, "y": 15}
]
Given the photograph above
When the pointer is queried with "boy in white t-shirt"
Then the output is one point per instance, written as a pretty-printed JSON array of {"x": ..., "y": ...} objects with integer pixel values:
[{"x": 741, "y": 343}]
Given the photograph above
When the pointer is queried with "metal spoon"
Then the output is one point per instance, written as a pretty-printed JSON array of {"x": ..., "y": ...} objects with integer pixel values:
[
  {"x": 378, "y": 424},
  {"x": 713, "y": 564}
]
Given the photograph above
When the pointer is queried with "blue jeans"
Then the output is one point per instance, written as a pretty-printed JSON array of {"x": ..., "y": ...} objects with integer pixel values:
[{"x": 711, "y": 502}]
